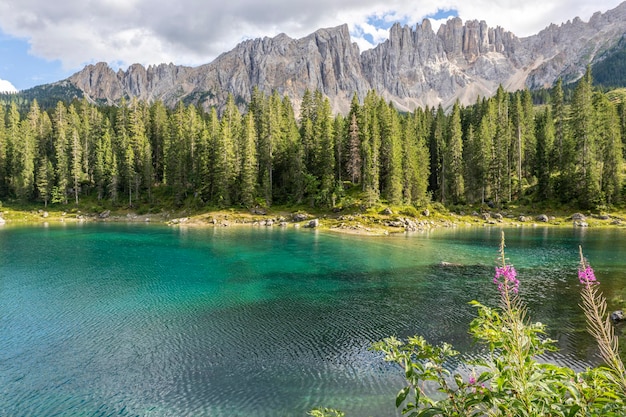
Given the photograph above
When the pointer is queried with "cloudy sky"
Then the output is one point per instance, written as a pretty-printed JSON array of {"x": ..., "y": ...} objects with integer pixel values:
[{"x": 42, "y": 41}]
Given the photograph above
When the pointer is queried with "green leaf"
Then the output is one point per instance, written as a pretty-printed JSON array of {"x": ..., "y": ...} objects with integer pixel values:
[
  {"x": 430, "y": 412},
  {"x": 402, "y": 395},
  {"x": 574, "y": 410}
]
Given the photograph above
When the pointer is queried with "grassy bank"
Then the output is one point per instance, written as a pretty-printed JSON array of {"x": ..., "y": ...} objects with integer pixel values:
[{"x": 357, "y": 219}]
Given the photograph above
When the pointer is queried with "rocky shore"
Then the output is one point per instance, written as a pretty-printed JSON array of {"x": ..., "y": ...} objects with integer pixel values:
[{"x": 381, "y": 222}]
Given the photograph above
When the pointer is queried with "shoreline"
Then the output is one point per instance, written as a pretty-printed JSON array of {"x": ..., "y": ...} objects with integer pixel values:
[{"x": 384, "y": 223}]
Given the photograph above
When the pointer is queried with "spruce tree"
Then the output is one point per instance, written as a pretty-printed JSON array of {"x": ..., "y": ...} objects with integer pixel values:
[
  {"x": 609, "y": 148},
  {"x": 583, "y": 124},
  {"x": 544, "y": 164},
  {"x": 248, "y": 171},
  {"x": 454, "y": 156}
]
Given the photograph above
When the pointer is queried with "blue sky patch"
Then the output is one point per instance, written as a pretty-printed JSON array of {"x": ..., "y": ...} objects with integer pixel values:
[
  {"x": 443, "y": 14},
  {"x": 24, "y": 70}
]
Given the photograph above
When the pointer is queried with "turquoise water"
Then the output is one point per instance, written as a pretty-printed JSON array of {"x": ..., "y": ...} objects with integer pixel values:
[{"x": 143, "y": 320}]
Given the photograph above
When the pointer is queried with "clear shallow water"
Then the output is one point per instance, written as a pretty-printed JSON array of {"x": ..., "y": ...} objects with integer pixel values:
[{"x": 138, "y": 320}]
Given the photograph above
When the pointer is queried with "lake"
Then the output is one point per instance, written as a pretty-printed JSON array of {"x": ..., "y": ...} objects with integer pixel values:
[{"x": 146, "y": 320}]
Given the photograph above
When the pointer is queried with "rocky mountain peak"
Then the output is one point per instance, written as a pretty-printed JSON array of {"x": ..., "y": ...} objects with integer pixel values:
[{"x": 414, "y": 67}]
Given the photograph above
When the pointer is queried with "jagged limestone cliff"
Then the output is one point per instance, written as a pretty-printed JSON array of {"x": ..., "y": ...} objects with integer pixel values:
[{"x": 414, "y": 67}]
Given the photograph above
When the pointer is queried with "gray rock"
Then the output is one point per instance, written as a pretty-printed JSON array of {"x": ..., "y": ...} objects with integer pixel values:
[
  {"x": 579, "y": 216},
  {"x": 522, "y": 219},
  {"x": 497, "y": 216},
  {"x": 313, "y": 223},
  {"x": 414, "y": 67},
  {"x": 387, "y": 211},
  {"x": 425, "y": 213},
  {"x": 299, "y": 217},
  {"x": 617, "y": 316},
  {"x": 486, "y": 216},
  {"x": 105, "y": 214},
  {"x": 581, "y": 223},
  {"x": 542, "y": 218},
  {"x": 410, "y": 226}
]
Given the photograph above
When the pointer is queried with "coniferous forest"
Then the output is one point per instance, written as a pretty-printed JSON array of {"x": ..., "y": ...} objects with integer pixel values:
[{"x": 499, "y": 150}]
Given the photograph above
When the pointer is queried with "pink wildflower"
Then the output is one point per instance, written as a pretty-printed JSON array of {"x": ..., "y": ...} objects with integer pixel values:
[
  {"x": 509, "y": 282},
  {"x": 586, "y": 276},
  {"x": 472, "y": 380}
]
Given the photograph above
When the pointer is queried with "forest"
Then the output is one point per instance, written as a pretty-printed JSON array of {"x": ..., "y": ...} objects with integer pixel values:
[{"x": 500, "y": 150}]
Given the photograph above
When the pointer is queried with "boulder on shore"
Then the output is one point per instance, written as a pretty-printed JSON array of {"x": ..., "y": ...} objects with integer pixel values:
[
  {"x": 298, "y": 217},
  {"x": 617, "y": 316},
  {"x": 313, "y": 223}
]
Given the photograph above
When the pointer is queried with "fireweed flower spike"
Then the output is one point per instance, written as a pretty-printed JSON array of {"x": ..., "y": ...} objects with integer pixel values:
[
  {"x": 509, "y": 281},
  {"x": 586, "y": 276},
  {"x": 598, "y": 323},
  {"x": 506, "y": 276}
]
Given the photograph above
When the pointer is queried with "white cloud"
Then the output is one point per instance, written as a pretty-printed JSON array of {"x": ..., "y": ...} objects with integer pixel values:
[
  {"x": 193, "y": 32},
  {"x": 7, "y": 87}
]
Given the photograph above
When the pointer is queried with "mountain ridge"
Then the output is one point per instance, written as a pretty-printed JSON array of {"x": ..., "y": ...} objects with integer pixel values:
[{"x": 415, "y": 67}]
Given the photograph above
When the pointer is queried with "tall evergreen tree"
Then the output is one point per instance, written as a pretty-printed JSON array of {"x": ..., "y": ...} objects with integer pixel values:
[
  {"x": 60, "y": 140},
  {"x": 390, "y": 153},
  {"x": 585, "y": 136},
  {"x": 248, "y": 171},
  {"x": 454, "y": 156},
  {"x": 609, "y": 148},
  {"x": 545, "y": 134}
]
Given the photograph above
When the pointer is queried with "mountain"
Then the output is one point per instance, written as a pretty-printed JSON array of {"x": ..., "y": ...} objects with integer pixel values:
[
  {"x": 414, "y": 67},
  {"x": 7, "y": 87}
]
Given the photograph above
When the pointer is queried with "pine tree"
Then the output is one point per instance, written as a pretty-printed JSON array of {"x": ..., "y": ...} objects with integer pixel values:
[
  {"x": 484, "y": 154},
  {"x": 3, "y": 154},
  {"x": 354, "y": 162},
  {"x": 529, "y": 139},
  {"x": 611, "y": 164},
  {"x": 543, "y": 162},
  {"x": 225, "y": 164},
  {"x": 60, "y": 140},
  {"x": 370, "y": 145},
  {"x": 248, "y": 171},
  {"x": 500, "y": 168},
  {"x": 454, "y": 156},
  {"x": 324, "y": 153},
  {"x": 391, "y": 153},
  {"x": 437, "y": 147},
  {"x": 414, "y": 160},
  {"x": 76, "y": 162},
  {"x": 583, "y": 131},
  {"x": 45, "y": 178},
  {"x": 158, "y": 133}
]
